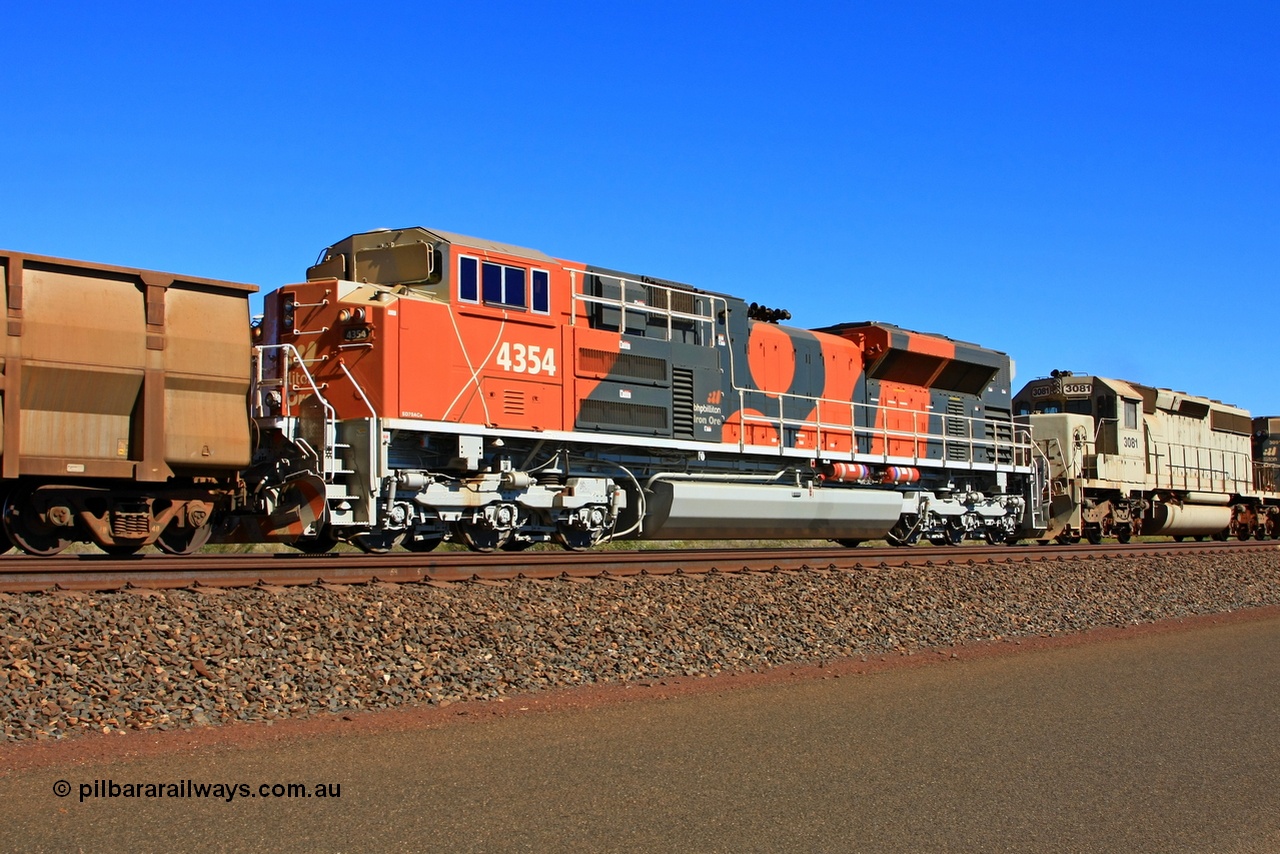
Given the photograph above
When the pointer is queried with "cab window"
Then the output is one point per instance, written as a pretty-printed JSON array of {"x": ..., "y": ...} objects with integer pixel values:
[{"x": 1131, "y": 415}]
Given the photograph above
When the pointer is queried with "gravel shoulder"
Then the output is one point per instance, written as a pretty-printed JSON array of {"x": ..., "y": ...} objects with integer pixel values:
[{"x": 194, "y": 661}]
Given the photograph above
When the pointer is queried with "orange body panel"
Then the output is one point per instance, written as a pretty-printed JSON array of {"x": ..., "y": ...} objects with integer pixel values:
[
  {"x": 903, "y": 409},
  {"x": 754, "y": 431},
  {"x": 482, "y": 365},
  {"x": 771, "y": 356},
  {"x": 842, "y": 367}
]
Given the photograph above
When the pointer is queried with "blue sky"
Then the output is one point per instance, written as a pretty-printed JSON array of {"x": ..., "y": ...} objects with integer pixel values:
[{"x": 1088, "y": 186}]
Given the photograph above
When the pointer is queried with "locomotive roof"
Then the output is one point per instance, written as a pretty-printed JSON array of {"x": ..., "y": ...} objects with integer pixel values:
[
  {"x": 416, "y": 233},
  {"x": 838, "y": 328},
  {"x": 490, "y": 245},
  {"x": 1153, "y": 397}
]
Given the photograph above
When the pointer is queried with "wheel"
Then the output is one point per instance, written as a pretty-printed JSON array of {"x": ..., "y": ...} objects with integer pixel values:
[
  {"x": 1221, "y": 536},
  {"x": 1124, "y": 533},
  {"x": 1244, "y": 534},
  {"x": 421, "y": 545},
  {"x": 24, "y": 529},
  {"x": 5, "y": 543},
  {"x": 1068, "y": 538},
  {"x": 995, "y": 536},
  {"x": 322, "y": 542},
  {"x": 1094, "y": 536},
  {"x": 904, "y": 533},
  {"x": 955, "y": 535},
  {"x": 576, "y": 539},
  {"x": 480, "y": 538},
  {"x": 849, "y": 544},
  {"x": 1177, "y": 538},
  {"x": 377, "y": 542},
  {"x": 183, "y": 539}
]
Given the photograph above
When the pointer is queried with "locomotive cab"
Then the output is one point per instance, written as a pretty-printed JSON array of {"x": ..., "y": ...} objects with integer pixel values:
[{"x": 1111, "y": 438}]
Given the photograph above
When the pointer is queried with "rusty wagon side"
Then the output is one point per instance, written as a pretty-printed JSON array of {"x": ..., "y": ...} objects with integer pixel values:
[{"x": 122, "y": 403}]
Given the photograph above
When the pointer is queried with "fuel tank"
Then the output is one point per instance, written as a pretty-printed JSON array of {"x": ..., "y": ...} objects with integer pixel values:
[
  {"x": 690, "y": 510},
  {"x": 1188, "y": 519}
]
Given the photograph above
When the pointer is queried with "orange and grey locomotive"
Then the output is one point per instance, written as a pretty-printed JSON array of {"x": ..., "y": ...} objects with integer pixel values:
[{"x": 429, "y": 386}]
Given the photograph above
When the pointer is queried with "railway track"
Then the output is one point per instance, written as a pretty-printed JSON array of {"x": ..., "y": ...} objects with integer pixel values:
[{"x": 157, "y": 571}]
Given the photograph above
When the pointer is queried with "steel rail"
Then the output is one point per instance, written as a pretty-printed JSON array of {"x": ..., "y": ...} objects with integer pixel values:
[{"x": 156, "y": 571}]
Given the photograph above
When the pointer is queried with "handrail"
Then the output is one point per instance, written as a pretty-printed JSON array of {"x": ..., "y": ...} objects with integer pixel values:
[
  {"x": 360, "y": 390},
  {"x": 623, "y": 306},
  {"x": 289, "y": 354},
  {"x": 1015, "y": 447}
]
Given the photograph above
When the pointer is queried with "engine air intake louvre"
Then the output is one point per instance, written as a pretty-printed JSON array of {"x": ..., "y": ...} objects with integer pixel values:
[
  {"x": 1003, "y": 431},
  {"x": 957, "y": 428},
  {"x": 682, "y": 403},
  {"x": 1230, "y": 422},
  {"x": 604, "y": 363},
  {"x": 633, "y": 415},
  {"x": 512, "y": 402}
]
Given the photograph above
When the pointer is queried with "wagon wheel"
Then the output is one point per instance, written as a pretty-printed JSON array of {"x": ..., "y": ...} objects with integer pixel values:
[
  {"x": 481, "y": 538},
  {"x": 23, "y": 527},
  {"x": 849, "y": 544},
  {"x": 421, "y": 544},
  {"x": 996, "y": 536},
  {"x": 1094, "y": 536},
  {"x": 183, "y": 539},
  {"x": 5, "y": 543},
  {"x": 1124, "y": 533},
  {"x": 955, "y": 534}
]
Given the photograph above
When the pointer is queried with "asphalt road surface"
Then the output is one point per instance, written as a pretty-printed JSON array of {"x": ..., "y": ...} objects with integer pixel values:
[{"x": 1158, "y": 743}]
